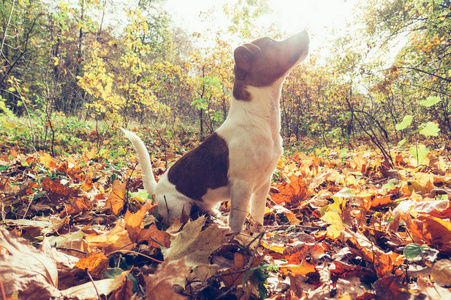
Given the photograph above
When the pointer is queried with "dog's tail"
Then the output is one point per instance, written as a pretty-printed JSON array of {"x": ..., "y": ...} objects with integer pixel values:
[{"x": 144, "y": 160}]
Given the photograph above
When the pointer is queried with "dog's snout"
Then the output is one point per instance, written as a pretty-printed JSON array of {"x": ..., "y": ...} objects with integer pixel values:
[
  {"x": 304, "y": 36},
  {"x": 301, "y": 38}
]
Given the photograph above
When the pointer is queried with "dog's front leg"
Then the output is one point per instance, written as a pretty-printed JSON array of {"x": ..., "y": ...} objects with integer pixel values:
[
  {"x": 258, "y": 202},
  {"x": 239, "y": 202}
]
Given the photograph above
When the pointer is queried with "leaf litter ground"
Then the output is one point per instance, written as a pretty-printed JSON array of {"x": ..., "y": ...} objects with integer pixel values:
[{"x": 338, "y": 225}]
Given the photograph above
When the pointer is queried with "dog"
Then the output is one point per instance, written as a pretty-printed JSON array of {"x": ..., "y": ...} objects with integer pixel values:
[{"x": 237, "y": 161}]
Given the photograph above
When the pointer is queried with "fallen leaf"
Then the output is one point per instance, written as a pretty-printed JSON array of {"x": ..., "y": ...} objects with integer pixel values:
[
  {"x": 76, "y": 205},
  {"x": 87, "y": 184},
  {"x": 384, "y": 263},
  {"x": 234, "y": 275},
  {"x": 437, "y": 231},
  {"x": 441, "y": 272},
  {"x": 125, "y": 291},
  {"x": 90, "y": 289},
  {"x": 138, "y": 234},
  {"x": 159, "y": 286},
  {"x": 434, "y": 291},
  {"x": 392, "y": 287},
  {"x": 55, "y": 188},
  {"x": 195, "y": 245},
  {"x": 116, "y": 200},
  {"x": 296, "y": 257},
  {"x": 381, "y": 201},
  {"x": 116, "y": 239},
  {"x": 26, "y": 273},
  {"x": 292, "y": 218},
  {"x": 434, "y": 208},
  {"x": 336, "y": 224},
  {"x": 273, "y": 247},
  {"x": 342, "y": 270},
  {"x": 96, "y": 263},
  {"x": 292, "y": 193},
  {"x": 47, "y": 160}
]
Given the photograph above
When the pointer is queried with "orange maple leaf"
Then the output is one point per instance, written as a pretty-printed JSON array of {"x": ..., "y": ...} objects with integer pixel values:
[
  {"x": 87, "y": 184},
  {"x": 138, "y": 234},
  {"x": 111, "y": 241},
  {"x": 292, "y": 193},
  {"x": 116, "y": 200},
  {"x": 55, "y": 187},
  {"x": 96, "y": 263},
  {"x": 233, "y": 276},
  {"x": 381, "y": 201},
  {"x": 437, "y": 231},
  {"x": 30, "y": 188},
  {"x": 76, "y": 205},
  {"x": 47, "y": 160},
  {"x": 297, "y": 256}
]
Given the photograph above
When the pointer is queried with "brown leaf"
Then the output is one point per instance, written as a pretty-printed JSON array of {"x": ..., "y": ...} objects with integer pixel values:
[
  {"x": 32, "y": 185},
  {"x": 384, "y": 263},
  {"x": 434, "y": 208},
  {"x": 159, "y": 285},
  {"x": 87, "y": 184},
  {"x": 441, "y": 272},
  {"x": 47, "y": 160},
  {"x": 343, "y": 270},
  {"x": 434, "y": 291},
  {"x": 234, "y": 275},
  {"x": 89, "y": 290},
  {"x": 87, "y": 156},
  {"x": 437, "y": 231},
  {"x": 111, "y": 241},
  {"x": 292, "y": 193},
  {"x": 392, "y": 287},
  {"x": 138, "y": 234},
  {"x": 125, "y": 291},
  {"x": 195, "y": 245},
  {"x": 291, "y": 217},
  {"x": 133, "y": 222},
  {"x": 116, "y": 200},
  {"x": 25, "y": 271},
  {"x": 76, "y": 205},
  {"x": 96, "y": 263},
  {"x": 297, "y": 256},
  {"x": 381, "y": 201},
  {"x": 55, "y": 187}
]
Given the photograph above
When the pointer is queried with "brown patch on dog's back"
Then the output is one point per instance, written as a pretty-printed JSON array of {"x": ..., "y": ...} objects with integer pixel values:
[{"x": 203, "y": 168}]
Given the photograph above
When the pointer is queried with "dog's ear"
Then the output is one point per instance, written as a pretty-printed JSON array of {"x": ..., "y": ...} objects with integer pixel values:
[{"x": 244, "y": 55}]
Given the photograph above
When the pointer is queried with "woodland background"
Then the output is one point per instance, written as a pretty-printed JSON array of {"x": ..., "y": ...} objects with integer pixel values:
[
  {"x": 359, "y": 204},
  {"x": 61, "y": 63}
]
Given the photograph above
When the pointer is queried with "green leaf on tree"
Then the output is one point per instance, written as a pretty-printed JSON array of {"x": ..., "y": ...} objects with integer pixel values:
[
  {"x": 419, "y": 152},
  {"x": 405, "y": 123},
  {"x": 431, "y": 100},
  {"x": 431, "y": 129}
]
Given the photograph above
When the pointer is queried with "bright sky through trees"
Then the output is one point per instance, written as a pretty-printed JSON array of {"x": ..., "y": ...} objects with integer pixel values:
[{"x": 321, "y": 17}]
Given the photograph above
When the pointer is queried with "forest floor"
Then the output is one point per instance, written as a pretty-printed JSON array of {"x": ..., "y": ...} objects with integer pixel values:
[{"x": 339, "y": 224}]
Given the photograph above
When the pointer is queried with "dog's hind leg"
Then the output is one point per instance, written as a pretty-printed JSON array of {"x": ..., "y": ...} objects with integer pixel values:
[{"x": 258, "y": 203}]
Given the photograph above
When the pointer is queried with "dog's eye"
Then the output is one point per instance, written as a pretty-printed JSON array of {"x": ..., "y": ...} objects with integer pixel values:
[{"x": 270, "y": 41}]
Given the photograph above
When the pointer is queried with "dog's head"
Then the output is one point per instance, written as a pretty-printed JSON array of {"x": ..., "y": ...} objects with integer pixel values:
[{"x": 264, "y": 61}]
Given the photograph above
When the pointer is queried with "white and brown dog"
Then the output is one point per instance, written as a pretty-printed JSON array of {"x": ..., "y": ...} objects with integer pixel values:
[{"x": 236, "y": 162}]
